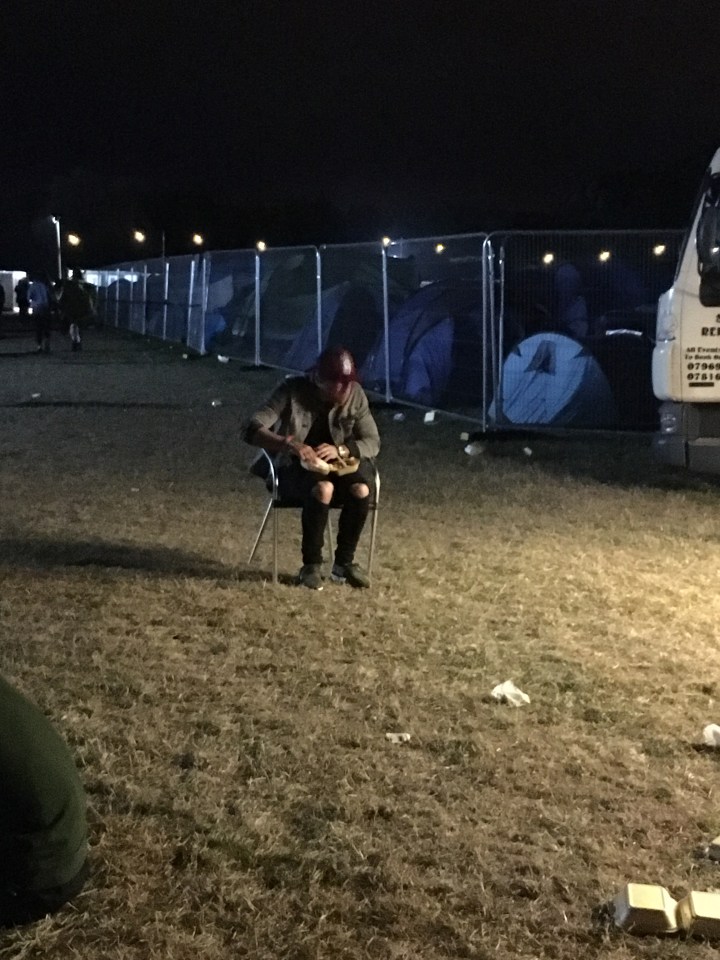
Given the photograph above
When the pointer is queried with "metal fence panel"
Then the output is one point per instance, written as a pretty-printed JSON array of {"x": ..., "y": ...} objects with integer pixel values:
[
  {"x": 286, "y": 303},
  {"x": 135, "y": 278},
  {"x": 433, "y": 353},
  {"x": 574, "y": 315},
  {"x": 229, "y": 322},
  {"x": 352, "y": 294},
  {"x": 155, "y": 296},
  {"x": 121, "y": 295},
  {"x": 180, "y": 274},
  {"x": 197, "y": 292}
]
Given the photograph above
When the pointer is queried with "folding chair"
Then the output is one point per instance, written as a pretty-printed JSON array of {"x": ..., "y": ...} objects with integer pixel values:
[{"x": 275, "y": 503}]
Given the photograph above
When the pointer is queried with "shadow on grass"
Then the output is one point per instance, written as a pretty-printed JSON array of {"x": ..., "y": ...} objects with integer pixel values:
[
  {"x": 622, "y": 460},
  {"x": 45, "y": 553}
]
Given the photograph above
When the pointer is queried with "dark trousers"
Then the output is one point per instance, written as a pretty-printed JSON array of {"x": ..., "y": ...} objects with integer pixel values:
[
  {"x": 42, "y": 326},
  {"x": 297, "y": 484}
]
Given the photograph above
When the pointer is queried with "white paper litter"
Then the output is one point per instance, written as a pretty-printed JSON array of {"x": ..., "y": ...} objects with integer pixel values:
[
  {"x": 508, "y": 693},
  {"x": 223, "y": 359},
  {"x": 429, "y": 417},
  {"x": 216, "y": 403},
  {"x": 527, "y": 451},
  {"x": 711, "y": 735},
  {"x": 398, "y": 417},
  {"x": 474, "y": 449},
  {"x": 397, "y": 737},
  {"x": 35, "y": 396}
]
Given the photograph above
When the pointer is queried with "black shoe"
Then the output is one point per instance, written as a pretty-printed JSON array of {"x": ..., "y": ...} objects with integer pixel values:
[
  {"x": 351, "y": 573},
  {"x": 310, "y": 576}
]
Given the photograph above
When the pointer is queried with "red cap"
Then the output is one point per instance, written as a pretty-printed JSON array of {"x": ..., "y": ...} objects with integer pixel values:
[{"x": 335, "y": 365}]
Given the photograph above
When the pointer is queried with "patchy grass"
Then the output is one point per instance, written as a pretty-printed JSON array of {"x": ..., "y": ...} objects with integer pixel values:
[{"x": 244, "y": 801}]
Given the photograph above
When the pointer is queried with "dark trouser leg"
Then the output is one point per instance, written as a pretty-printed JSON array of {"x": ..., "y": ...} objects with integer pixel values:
[
  {"x": 16, "y": 909},
  {"x": 350, "y": 525},
  {"x": 314, "y": 521}
]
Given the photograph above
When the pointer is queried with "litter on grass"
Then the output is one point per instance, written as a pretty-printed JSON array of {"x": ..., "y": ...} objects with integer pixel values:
[
  {"x": 398, "y": 737},
  {"x": 711, "y": 735},
  {"x": 474, "y": 449},
  {"x": 508, "y": 693}
]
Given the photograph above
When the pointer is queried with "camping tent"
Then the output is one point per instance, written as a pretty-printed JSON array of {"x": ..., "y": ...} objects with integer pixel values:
[
  {"x": 551, "y": 379},
  {"x": 436, "y": 349}
]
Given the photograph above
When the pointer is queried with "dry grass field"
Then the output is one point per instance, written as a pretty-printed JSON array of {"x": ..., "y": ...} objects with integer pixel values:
[{"x": 244, "y": 799}]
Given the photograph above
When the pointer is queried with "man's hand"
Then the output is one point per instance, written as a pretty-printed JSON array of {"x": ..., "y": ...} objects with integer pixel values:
[
  {"x": 327, "y": 452},
  {"x": 302, "y": 450}
]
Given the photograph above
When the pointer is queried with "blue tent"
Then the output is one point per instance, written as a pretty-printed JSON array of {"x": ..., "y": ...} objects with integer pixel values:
[
  {"x": 550, "y": 379},
  {"x": 436, "y": 351}
]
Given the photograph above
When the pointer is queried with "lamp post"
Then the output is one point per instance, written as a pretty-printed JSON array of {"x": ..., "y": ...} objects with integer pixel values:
[
  {"x": 58, "y": 246},
  {"x": 139, "y": 236}
]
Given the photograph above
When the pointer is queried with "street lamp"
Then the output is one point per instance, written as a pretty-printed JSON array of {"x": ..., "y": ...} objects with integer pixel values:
[
  {"x": 139, "y": 236},
  {"x": 74, "y": 240},
  {"x": 198, "y": 239}
]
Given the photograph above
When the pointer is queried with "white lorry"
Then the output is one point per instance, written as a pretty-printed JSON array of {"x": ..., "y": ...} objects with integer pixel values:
[{"x": 686, "y": 358}]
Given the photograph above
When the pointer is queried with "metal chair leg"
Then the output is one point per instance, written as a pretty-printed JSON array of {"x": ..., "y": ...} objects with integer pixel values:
[
  {"x": 275, "y": 545},
  {"x": 373, "y": 531},
  {"x": 373, "y": 526},
  {"x": 261, "y": 531},
  {"x": 330, "y": 537}
]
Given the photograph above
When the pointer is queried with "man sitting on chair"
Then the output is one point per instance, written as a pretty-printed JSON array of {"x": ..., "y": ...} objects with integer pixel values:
[{"x": 315, "y": 423}]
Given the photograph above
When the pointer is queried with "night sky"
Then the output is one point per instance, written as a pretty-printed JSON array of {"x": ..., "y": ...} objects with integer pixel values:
[{"x": 327, "y": 120}]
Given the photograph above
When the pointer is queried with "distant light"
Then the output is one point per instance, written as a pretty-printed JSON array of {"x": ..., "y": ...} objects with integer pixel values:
[
  {"x": 386, "y": 241},
  {"x": 261, "y": 246},
  {"x": 439, "y": 247},
  {"x": 604, "y": 256},
  {"x": 548, "y": 258},
  {"x": 659, "y": 249},
  {"x": 198, "y": 239},
  {"x": 139, "y": 236},
  {"x": 73, "y": 239}
]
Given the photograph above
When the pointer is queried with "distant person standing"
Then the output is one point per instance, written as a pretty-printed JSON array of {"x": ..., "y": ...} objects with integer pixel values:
[
  {"x": 21, "y": 296},
  {"x": 43, "y": 825},
  {"x": 76, "y": 307},
  {"x": 41, "y": 301}
]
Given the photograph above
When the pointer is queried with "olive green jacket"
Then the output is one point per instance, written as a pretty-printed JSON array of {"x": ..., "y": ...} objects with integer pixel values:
[{"x": 293, "y": 405}]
